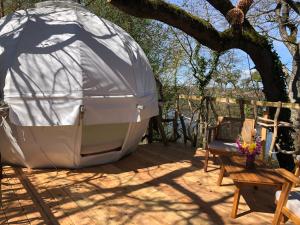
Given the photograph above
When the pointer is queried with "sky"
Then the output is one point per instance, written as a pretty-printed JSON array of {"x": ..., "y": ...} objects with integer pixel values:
[{"x": 279, "y": 47}]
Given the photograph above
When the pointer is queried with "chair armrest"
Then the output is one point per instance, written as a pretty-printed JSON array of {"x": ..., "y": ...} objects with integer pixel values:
[{"x": 288, "y": 176}]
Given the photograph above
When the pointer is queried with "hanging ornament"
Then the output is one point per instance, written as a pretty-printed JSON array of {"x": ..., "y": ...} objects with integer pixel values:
[
  {"x": 244, "y": 5},
  {"x": 235, "y": 17}
]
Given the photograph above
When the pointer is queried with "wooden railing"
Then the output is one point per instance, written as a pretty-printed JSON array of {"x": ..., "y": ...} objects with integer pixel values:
[{"x": 288, "y": 105}]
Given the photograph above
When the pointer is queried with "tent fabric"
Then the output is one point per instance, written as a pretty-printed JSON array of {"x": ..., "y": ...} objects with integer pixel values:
[
  {"x": 74, "y": 58},
  {"x": 60, "y": 146},
  {"x": 15, "y": 152},
  {"x": 65, "y": 71}
]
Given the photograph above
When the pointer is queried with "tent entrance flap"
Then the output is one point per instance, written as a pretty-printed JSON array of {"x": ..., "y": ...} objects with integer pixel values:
[{"x": 103, "y": 138}]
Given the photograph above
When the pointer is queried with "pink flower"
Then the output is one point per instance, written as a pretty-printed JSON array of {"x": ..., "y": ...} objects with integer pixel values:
[{"x": 251, "y": 149}]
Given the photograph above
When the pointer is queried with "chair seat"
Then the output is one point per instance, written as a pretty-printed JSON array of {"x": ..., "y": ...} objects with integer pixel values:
[
  {"x": 223, "y": 146},
  {"x": 293, "y": 203}
]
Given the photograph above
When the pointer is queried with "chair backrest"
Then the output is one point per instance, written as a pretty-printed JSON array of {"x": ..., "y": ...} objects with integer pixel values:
[{"x": 230, "y": 128}]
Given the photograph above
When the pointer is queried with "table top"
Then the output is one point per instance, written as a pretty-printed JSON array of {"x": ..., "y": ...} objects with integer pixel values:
[{"x": 261, "y": 175}]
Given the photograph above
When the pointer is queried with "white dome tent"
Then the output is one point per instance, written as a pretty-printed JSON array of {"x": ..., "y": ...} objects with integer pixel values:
[{"x": 80, "y": 90}]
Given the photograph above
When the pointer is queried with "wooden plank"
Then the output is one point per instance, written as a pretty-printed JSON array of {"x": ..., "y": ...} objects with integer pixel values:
[
  {"x": 43, "y": 187},
  {"x": 143, "y": 185},
  {"x": 44, "y": 209},
  {"x": 29, "y": 208},
  {"x": 265, "y": 119},
  {"x": 154, "y": 185},
  {"x": 265, "y": 124},
  {"x": 10, "y": 202},
  {"x": 289, "y": 176}
]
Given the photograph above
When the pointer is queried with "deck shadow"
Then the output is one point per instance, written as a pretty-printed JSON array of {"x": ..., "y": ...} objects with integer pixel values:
[{"x": 154, "y": 183}]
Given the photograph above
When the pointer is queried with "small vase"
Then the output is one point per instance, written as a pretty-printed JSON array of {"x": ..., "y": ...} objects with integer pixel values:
[{"x": 250, "y": 162}]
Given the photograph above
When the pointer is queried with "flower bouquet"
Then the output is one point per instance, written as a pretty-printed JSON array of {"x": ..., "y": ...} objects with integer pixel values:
[{"x": 250, "y": 150}]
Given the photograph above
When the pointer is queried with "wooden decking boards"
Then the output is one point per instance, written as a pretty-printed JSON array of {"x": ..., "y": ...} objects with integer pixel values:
[{"x": 154, "y": 185}]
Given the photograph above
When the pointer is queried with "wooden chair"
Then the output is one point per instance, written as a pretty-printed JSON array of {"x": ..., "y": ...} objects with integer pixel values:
[
  {"x": 288, "y": 199},
  {"x": 222, "y": 138}
]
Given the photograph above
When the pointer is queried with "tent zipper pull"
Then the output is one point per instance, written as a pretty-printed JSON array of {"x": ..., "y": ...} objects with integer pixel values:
[{"x": 81, "y": 114}]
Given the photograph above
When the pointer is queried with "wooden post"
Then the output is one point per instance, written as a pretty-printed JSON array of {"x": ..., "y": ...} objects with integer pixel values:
[
  {"x": 160, "y": 126},
  {"x": 175, "y": 122},
  {"x": 161, "y": 130},
  {"x": 263, "y": 134},
  {"x": 150, "y": 131},
  {"x": 275, "y": 129},
  {"x": 228, "y": 107},
  {"x": 206, "y": 119}
]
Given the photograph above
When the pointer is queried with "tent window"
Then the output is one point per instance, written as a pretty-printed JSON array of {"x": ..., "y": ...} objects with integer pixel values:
[{"x": 103, "y": 138}]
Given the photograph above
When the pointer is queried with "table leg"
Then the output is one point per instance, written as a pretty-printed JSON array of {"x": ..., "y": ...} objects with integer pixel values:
[
  {"x": 236, "y": 200},
  {"x": 221, "y": 175}
]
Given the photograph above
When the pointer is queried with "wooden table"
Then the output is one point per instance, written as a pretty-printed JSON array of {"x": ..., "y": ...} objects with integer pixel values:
[{"x": 260, "y": 176}]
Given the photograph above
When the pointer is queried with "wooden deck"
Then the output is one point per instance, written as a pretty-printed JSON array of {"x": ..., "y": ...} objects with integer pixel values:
[{"x": 154, "y": 185}]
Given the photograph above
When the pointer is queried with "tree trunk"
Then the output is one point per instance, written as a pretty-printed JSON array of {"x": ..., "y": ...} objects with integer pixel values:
[{"x": 294, "y": 95}]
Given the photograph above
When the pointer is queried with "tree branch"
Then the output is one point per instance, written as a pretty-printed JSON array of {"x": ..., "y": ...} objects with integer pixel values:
[
  {"x": 282, "y": 14},
  {"x": 223, "y": 6},
  {"x": 294, "y": 5},
  {"x": 194, "y": 26}
]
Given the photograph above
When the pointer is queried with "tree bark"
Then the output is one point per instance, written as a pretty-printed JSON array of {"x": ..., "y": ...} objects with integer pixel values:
[
  {"x": 288, "y": 31},
  {"x": 256, "y": 46}
]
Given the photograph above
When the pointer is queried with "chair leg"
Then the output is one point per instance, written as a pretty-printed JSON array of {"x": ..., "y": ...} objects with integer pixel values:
[
  {"x": 206, "y": 160},
  {"x": 281, "y": 203}
]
